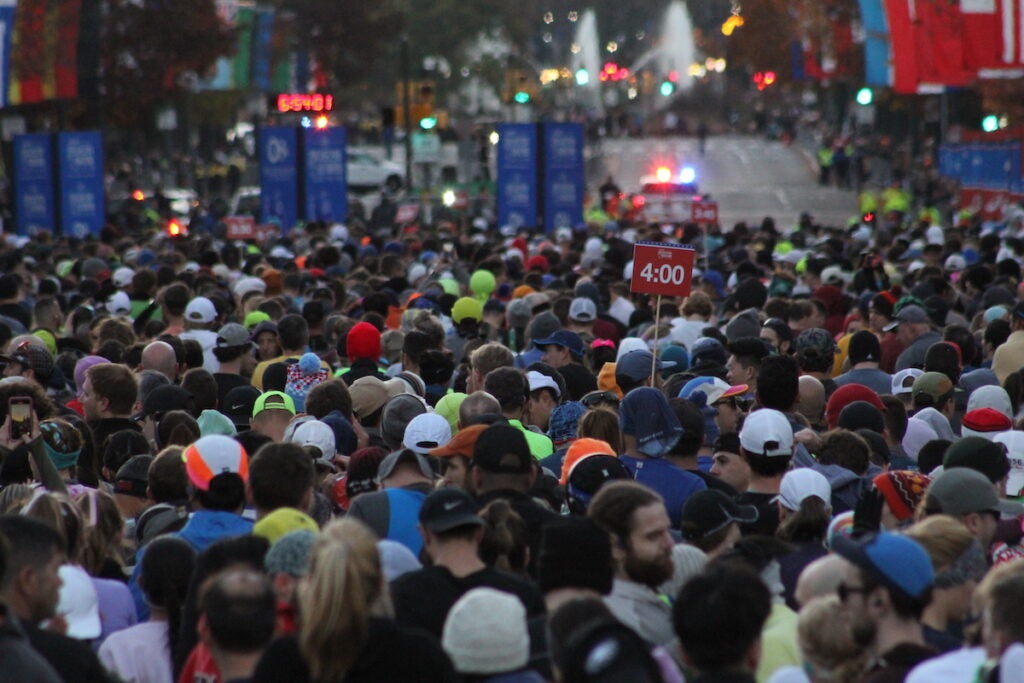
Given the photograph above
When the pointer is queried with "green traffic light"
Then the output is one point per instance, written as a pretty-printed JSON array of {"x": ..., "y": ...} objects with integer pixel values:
[
  {"x": 522, "y": 97},
  {"x": 865, "y": 97},
  {"x": 990, "y": 123},
  {"x": 667, "y": 88},
  {"x": 428, "y": 123}
]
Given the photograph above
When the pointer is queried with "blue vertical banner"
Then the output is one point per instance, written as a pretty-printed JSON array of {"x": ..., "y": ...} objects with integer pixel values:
[
  {"x": 877, "y": 67},
  {"x": 7, "y": 8},
  {"x": 563, "y": 175},
  {"x": 261, "y": 48},
  {"x": 83, "y": 203},
  {"x": 323, "y": 174},
  {"x": 517, "y": 175},
  {"x": 33, "y": 184},
  {"x": 279, "y": 176}
]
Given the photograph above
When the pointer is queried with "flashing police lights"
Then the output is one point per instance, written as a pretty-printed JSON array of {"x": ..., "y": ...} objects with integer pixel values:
[{"x": 687, "y": 174}]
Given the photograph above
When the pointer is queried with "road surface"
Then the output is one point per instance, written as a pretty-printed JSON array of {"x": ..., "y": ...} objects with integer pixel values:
[{"x": 749, "y": 177}]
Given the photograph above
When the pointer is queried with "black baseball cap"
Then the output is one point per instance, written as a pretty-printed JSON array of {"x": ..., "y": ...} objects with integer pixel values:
[
  {"x": 591, "y": 473},
  {"x": 708, "y": 511},
  {"x": 502, "y": 448},
  {"x": 238, "y": 404},
  {"x": 448, "y": 508},
  {"x": 163, "y": 399}
]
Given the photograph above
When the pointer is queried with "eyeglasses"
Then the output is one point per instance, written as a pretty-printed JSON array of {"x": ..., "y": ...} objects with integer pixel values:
[
  {"x": 596, "y": 398},
  {"x": 844, "y": 592}
]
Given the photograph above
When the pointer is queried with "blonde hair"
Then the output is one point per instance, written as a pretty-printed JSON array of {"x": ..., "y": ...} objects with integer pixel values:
[
  {"x": 943, "y": 538},
  {"x": 57, "y": 511},
  {"x": 103, "y": 526},
  {"x": 344, "y": 588},
  {"x": 825, "y": 636}
]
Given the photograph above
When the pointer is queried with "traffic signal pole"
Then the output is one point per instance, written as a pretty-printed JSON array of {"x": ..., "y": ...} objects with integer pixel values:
[{"x": 407, "y": 117}]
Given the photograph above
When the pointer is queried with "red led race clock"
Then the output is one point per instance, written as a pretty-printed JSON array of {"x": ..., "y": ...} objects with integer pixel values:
[{"x": 302, "y": 102}]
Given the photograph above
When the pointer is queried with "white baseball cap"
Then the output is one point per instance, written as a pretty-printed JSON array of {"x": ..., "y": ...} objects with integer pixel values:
[
  {"x": 899, "y": 380},
  {"x": 538, "y": 380},
  {"x": 249, "y": 284},
  {"x": 79, "y": 604},
  {"x": 122, "y": 277},
  {"x": 803, "y": 483},
  {"x": 426, "y": 432},
  {"x": 118, "y": 303},
  {"x": 583, "y": 310},
  {"x": 316, "y": 433},
  {"x": 200, "y": 310},
  {"x": 767, "y": 432}
]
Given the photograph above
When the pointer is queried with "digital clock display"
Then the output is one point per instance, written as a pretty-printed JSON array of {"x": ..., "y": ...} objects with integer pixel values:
[{"x": 302, "y": 102}]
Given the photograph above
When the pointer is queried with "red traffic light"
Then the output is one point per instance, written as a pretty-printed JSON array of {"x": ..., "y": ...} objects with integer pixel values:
[{"x": 176, "y": 229}]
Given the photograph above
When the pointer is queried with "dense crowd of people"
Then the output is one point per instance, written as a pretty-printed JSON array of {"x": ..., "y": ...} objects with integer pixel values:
[{"x": 450, "y": 452}]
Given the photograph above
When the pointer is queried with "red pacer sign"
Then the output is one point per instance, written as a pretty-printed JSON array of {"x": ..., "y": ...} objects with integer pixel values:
[
  {"x": 245, "y": 228},
  {"x": 662, "y": 269}
]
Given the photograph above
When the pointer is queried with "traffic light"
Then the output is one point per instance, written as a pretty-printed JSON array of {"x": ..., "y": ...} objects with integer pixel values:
[
  {"x": 667, "y": 88},
  {"x": 865, "y": 97},
  {"x": 522, "y": 97},
  {"x": 428, "y": 122},
  {"x": 990, "y": 123}
]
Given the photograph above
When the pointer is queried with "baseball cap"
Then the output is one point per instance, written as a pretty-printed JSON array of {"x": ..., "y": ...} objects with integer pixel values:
[
  {"x": 238, "y": 404},
  {"x": 767, "y": 432},
  {"x": 245, "y": 285},
  {"x": 163, "y": 399},
  {"x": 32, "y": 354},
  {"x": 934, "y": 386},
  {"x": 815, "y": 340},
  {"x": 392, "y": 460},
  {"x": 898, "y": 561},
  {"x": 467, "y": 308},
  {"x": 802, "y": 483},
  {"x": 582, "y": 310},
  {"x": 710, "y": 510},
  {"x": 462, "y": 443},
  {"x": 578, "y": 451},
  {"x": 637, "y": 364},
  {"x": 368, "y": 395},
  {"x": 564, "y": 338},
  {"x": 864, "y": 347},
  {"x": 1014, "y": 442},
  {"x": 538, "y": 380},
  {"x": 317, "y": 434},
  {"x": 214, "y": 455},
  {"x": 132, "y": 477},
  {"x": 502, "y": 448},
  {"x": 260, "y": 326},
  {"x": 911, "y": 313},
  {"x": 708, "y": 352},
  {"x": 961, "y": 491},
  {"x": 122, "y": 277},
  {"x": 979, "y": 454},
  {"x": 587, "y": 476},
  {"x": 273, "y": 400},
  {"x": 903, "y": 381},
  {"x": 985, "y": 423},
  {"x": 448, "y": 508},
  {"x": 426, "y": 432},
  {"x": 706, "y": 391},
  {"x": 200, "y": 310},
  {"x": 118, "y": 303},
  {"x": 283, "y": 521},
  {"x": 231, "y": 335}
]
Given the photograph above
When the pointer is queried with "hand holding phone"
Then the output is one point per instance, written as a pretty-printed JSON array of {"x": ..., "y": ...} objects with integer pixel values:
[{"x": 19, "y": 408}]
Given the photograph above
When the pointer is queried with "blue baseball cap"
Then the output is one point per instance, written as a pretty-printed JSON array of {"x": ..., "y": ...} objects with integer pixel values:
[
  {"x": 564, "y": 338},
  {"x": 899, "y": 562}
]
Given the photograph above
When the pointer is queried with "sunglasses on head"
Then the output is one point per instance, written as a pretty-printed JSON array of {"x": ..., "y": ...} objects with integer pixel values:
[{"x": 596, "y": 398}]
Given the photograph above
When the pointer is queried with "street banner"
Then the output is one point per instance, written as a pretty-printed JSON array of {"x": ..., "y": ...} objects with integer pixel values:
[
  {"x": 876, "y": 44},
  {"x": 65, "y": 67},
  {"x": 563, "y": 175},
  {"x": 323, "y": 172},
  {"x": 261, "y": 48},
  {"x": 517, "y": 175},
  {"x": 28, "y": 52},
  {"x": 7, "y": 18},
  {"x": 83, "y": 204},
  {"x": 279, "y": 176},
  {"x": 33, "y": 184},
  {"x": 662, "y": 269}
]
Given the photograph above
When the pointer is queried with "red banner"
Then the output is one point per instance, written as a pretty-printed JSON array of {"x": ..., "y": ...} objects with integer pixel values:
[
  {"x": 990, "y": 204},
  {"x": 662, "y": 269},
  {"x": 66, "y": 64}
]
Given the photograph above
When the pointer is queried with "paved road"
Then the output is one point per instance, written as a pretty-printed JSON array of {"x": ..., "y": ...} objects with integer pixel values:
[{"x": 750, "y": 177}]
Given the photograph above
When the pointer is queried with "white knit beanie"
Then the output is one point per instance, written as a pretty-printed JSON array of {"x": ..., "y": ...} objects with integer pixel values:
[{"x": 485, "y": 633}]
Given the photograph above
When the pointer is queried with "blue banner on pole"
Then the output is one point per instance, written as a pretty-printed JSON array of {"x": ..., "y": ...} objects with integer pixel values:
[
  {"x": 261, "y": 48},
  {"x": 877, "y": 71},
  {"x": 7, "y": 9},
  {"x": 279, "y": 176},
  {"x": 33, "y": 184},
  {"x": 323, "y": 173},
  {"x": 517, "y": 175},
  {"x": 83, "y": 204},
  {"x": 563, "y": 175}
]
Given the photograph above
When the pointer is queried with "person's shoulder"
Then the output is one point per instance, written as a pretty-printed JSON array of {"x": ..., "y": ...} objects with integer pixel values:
[{"x": 282, "y": 660}]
